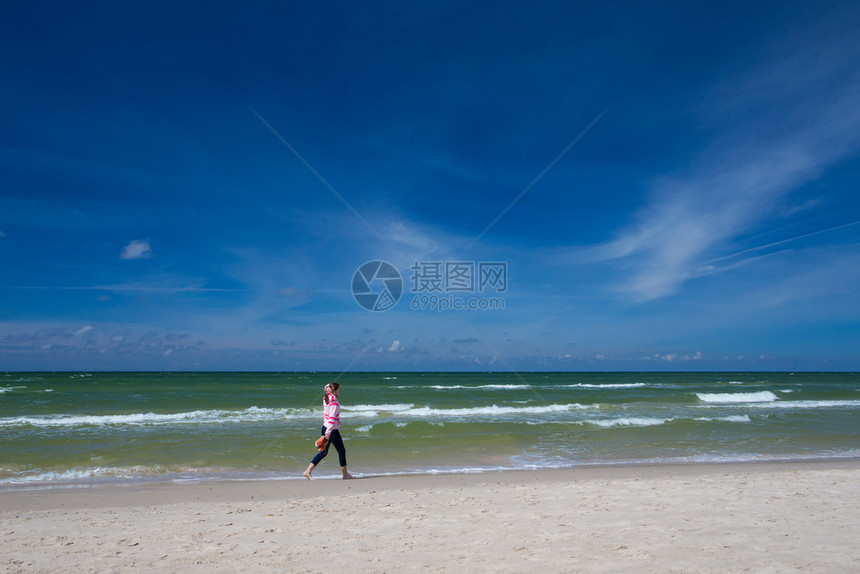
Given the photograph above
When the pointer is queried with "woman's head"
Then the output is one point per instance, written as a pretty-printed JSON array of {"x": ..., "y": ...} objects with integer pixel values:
[{"x": 333, "y": 388}]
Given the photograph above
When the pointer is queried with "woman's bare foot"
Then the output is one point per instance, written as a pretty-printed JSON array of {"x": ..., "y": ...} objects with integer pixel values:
[{"x": 308, "y": 471}]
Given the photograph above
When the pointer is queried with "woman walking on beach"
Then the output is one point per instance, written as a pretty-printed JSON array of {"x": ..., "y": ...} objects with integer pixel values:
[{"x": 330, "y": 431}]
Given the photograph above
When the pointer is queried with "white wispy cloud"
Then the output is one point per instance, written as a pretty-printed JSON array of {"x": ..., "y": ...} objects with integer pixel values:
[
  {"x": 746, "y": 174},
  {"x": 137, "y": 249},
  {"x": 409, "y": 241},
  {"x": 83, "y": 330},
  {"x": 783, "y": 242},
  {"x": 689, "y": 218}
]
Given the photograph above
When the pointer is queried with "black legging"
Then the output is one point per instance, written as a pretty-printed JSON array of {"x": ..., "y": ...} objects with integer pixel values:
[{"x": 335, "y": 440}]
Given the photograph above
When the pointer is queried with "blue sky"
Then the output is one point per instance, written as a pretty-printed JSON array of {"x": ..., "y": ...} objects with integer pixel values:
[{"x": 673, "y": 186}]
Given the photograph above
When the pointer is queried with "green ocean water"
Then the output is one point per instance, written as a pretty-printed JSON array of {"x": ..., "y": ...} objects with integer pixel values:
[{"x": 83, "y": 428}]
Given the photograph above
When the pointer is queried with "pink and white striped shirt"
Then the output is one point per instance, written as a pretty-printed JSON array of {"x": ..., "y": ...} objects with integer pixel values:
[{"x": 331, "y": 414}]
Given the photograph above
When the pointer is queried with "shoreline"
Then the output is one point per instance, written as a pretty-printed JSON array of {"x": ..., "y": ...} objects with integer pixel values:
[
  {"x": 759, "y": 517},
  {"x": 181, "y": 478},
  {"x": 154, "y": 492},
  {"x": 235, "y": 476}
]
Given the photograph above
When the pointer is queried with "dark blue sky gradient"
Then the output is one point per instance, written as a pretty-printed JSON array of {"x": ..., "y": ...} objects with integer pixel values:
[{"x": 709, "y": 219}]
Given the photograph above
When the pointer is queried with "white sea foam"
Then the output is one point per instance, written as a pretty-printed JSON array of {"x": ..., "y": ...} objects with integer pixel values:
[
  {"x": 728, "y": 419},
  {"x": 632, "y": 421},
  {"x": 479, "y": 387},
  {"x": 517, "y": 387},
  {"x": 806, "y": 404},
  {"x": 490, "y": 410},
  {"x": 652, "y": 421},
  {"x": 10, "y": 389},
  {"x": 465, "y": 387},
  {"x": 374, "y": 410},
  {"x": 759, "y": 397},
  {"x": 252, "y": 414},
  {"x": 79, "y": 475},
  {"x": 606, "y": 386},
  {"x": 256, "y": 414}
]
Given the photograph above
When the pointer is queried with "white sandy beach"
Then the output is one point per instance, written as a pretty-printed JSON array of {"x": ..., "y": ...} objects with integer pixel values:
[{"x": 779, "y": 517}]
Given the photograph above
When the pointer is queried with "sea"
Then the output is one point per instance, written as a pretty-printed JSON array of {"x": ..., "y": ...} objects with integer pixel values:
[{"x": 83, "y": 429}]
